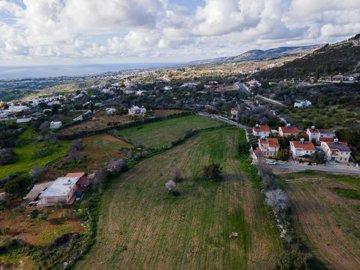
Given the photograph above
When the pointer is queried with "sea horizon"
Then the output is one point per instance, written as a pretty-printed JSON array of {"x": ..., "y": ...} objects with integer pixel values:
[{"x": 53, "y": 71}]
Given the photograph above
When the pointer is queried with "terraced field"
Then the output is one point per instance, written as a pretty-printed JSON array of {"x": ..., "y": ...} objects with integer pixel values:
[
  {"x": 327, "y": 216},
  {"x": 141, "y": 226},
  {"x": 161, "y": 133}
]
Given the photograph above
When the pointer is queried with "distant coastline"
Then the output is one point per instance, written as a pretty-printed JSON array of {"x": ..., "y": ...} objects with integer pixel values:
[{"x": 33, "y": 72}]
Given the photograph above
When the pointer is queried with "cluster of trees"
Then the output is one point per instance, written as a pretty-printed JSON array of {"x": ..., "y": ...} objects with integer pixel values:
[
  {"x": 9, "y": 134},
  {"x": 7, "y": 156},
  {"x": 212, "y": 172}
]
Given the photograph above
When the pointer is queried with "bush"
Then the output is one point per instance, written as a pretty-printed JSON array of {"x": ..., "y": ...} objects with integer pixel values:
[
  {"x": 18, "y": 186},
  {"x": 34, "y": 214},
  {"x": 244, "y": 148},
  {"x": 7, "y": 156},
  {"x": 212, "y": 172}
]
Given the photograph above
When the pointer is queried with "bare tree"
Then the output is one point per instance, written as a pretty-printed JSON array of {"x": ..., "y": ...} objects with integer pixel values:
[
  {"x": 176, "y": 175},
  {"x": 36, "y": 172},
  {"x": 75, "y": 149},
  {"x": 277, "y": 200},
  {"x": 116, "y": 166},
  {"x": 98, "y": 179},
  {"x": 170, "y": 185}
]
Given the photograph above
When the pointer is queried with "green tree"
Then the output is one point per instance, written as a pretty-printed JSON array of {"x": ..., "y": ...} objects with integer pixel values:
[
  {"x": 212, "y": 172},
  {"x": 283, "y": 155}
]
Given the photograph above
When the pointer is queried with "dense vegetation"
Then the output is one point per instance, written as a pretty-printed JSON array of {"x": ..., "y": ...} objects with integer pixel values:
[{"x": 328, "y": 60}]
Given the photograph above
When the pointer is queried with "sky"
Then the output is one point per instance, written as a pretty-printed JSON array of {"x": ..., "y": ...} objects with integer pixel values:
[{"x": 53, "y": 32}]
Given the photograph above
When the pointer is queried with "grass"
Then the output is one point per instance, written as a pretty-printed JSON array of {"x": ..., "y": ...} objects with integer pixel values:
[
  {"x": 141, "y": 226},
  {"x": 100, "y": 149},
  {"x": 101, "y": 121},
  {"x": 326, "y": 216},
  {"x": 157, "y": 134},
  {"x": 348, "y": 193},
  {"x": 27, "y": 157}
]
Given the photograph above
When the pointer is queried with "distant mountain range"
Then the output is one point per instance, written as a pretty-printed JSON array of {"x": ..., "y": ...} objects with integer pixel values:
[
  {"x": 330, "y": 59},
  {"x": 261, "y": 55}
]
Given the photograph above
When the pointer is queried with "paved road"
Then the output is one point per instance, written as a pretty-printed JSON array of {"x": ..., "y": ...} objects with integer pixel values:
[
  {"x": 269, "y": 100},
  {"x": 223, "y": 119},
  {"x": 331, "y": 169}
]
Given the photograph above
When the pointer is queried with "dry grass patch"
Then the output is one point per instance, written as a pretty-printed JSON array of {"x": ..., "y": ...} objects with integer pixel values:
[{"x": 327, "y": 221}]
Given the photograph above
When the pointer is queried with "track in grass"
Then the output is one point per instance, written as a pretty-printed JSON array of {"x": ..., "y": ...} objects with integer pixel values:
[
  {"x": 327, "y": 220},
  {"x": 164, "y": 132},
  {"x": 141, "y": 226}
]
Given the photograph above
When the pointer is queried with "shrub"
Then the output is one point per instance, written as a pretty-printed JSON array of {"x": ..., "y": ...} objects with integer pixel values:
[
  {"x": 7, "y": 156},
  {"x": 34, "y": 214},
  {"x": 212, "y": 172},
  {"x": 18, "y": 186}
]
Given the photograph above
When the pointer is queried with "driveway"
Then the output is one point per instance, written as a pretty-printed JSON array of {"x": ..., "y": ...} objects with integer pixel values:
[{"x": 297, "y": 167}]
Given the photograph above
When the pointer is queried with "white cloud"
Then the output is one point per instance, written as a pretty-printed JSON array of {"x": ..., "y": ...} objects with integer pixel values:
[{"x": 153, "y": 28}]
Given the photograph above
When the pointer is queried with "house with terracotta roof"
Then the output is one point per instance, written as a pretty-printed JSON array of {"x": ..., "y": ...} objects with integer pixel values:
[
  {"x": 316, "y": 134},
  {"x": 337, "y": 151},
  {"x": 289, "y": 131},
  {"x": 261, "y": 131},
  {"x": 301, "y": 149},
  {"x": 269, "y": 147}
]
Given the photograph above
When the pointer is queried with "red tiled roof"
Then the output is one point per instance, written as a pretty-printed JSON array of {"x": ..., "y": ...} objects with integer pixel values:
[
  {"x": 76, "y": 174},
  {"x": 327, "y": 140},
  {"x": 262, "y": 128},
  {"x": 308, "y": 146},
  {"x": 272, "y": 142},
  {"x": 290, "y": 130}
]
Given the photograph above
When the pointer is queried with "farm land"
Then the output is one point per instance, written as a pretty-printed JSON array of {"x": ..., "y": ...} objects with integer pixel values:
[
  {"x": 142, "y": 226},
  {"x": 101, "y": 121},
  {"x": 155, "y": 135},
  {"x": 326, "y": 212}
]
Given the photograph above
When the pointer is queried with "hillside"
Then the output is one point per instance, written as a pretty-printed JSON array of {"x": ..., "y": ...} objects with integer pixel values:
[
  {"x": 261, "y": 55},
  {"x": 341, "y": 57}
]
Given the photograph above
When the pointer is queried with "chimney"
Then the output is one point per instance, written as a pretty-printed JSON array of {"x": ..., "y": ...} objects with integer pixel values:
[
  {"x": 302, "y": 140},
  {"x": 288, "y": 125},
  {"x": 257, "y": 126},
  {"x": 313, "y": 127},
  {"x": 336, "y": 140}
]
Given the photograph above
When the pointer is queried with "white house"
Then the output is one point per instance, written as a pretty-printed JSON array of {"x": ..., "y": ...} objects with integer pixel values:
[
  {"x": 269, "y": 146},
  {"x": 301, "y": 149},
  {"x": 316, "y": 134},
  {"x": 302, "y": 104},
  {"x": 17, "y": 109},
  {"x": 110, "y": 111},
  {"x": 62, "y": 190},
  {"x": 55, "y": 124},
  {"x": 337, "y": 151},
  {"x": 136, "y": 110},
  {"x": 23, "y": 120},
  {"x": 261, "y": 131}
]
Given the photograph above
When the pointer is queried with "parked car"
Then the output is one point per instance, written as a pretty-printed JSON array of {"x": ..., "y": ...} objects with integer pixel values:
[{"x": 271, "y": 162}]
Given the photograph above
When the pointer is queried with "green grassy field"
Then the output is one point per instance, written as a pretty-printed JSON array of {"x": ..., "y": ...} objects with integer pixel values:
[
  {"x": 327, "y": 216},
  {"x": 26, "y": 154},
  {"x": 161, "y": 133},
  {"x": 141, "y": 226}
]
